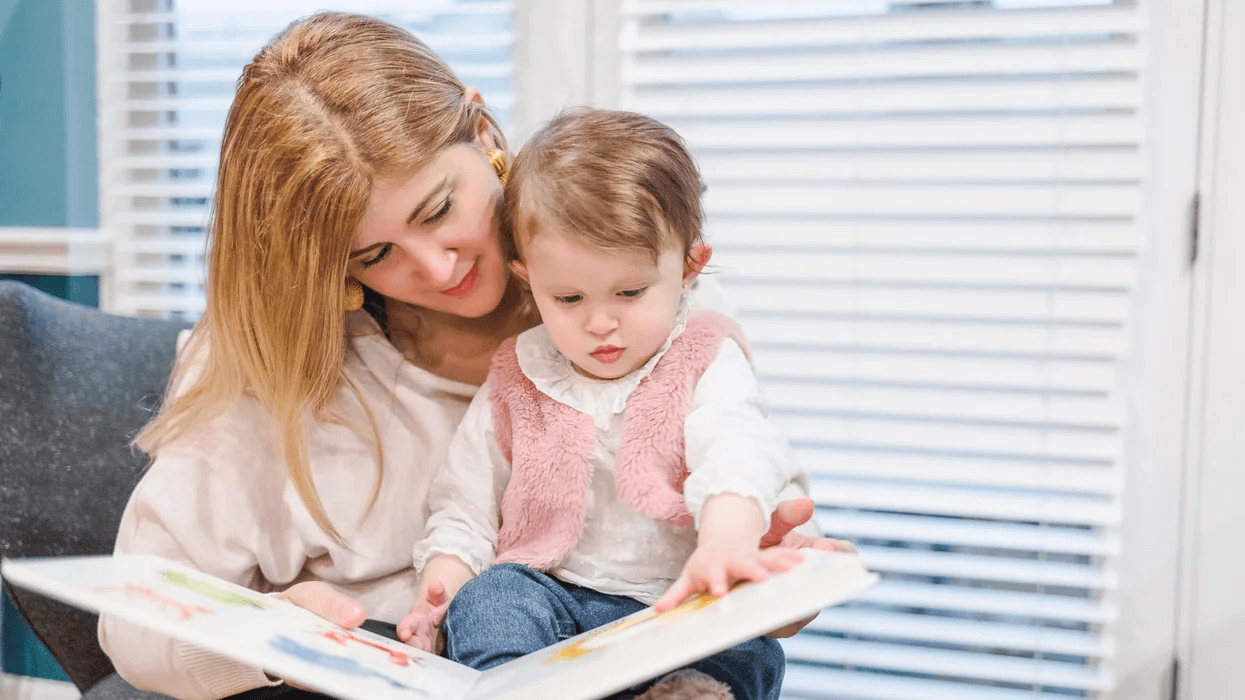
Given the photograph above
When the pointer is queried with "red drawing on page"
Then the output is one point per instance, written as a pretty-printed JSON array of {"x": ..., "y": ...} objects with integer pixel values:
[
  {"x": 396, "y": 657},
  {"x": 185, "y": 611}
]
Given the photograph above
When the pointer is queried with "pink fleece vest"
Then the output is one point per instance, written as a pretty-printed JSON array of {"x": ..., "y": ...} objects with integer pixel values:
[{"x": 550, "y": 446}]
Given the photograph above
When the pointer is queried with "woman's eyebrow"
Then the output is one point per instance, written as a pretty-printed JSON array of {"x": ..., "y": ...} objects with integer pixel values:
[
  {"x": 361, "y": 251},
  {"x": 427, "y": 198},
  {"x": 415, "y": 213}
]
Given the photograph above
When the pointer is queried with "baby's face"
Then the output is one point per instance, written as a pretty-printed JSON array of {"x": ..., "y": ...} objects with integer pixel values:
[{"x": 606, "y": 311}]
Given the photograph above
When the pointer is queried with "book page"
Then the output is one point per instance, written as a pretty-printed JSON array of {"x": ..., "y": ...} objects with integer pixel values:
[
  {"x": 292, "y": 643},
  {"x": 644, "y": 645},
  {"x": 279, "y": 637}
]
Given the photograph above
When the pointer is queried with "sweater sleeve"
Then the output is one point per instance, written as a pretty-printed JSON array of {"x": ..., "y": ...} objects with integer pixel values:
[
  {"x": 180, "y": 512},
  {"x": 465, "y": 497},
  {"x": 732, "y": 446}
]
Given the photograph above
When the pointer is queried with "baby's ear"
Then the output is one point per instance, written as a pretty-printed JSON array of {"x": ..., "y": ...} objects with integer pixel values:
[
  {"x": 520, "y": 270},
  {"x": 697, "y": 258}
]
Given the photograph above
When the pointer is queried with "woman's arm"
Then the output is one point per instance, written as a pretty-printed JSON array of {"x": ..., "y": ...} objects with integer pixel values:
[{"x": 173, "y": 514}]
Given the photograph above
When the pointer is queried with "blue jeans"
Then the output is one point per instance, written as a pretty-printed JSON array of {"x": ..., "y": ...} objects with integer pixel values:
[{"x": 511, "y": 610}]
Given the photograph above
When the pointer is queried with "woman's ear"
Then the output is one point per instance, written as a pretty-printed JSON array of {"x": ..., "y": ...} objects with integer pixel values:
[
  {"x": 520, "y": 270},
  {"x": 695, "y": 263},
  {"x": 485, "y": 135}
]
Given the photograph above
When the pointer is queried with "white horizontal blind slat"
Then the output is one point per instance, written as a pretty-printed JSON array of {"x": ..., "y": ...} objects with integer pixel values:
[
  {"x": 862, "y": 462},
  {"x": 926, "y": 215},
  {"x": 168, "y": 70}
]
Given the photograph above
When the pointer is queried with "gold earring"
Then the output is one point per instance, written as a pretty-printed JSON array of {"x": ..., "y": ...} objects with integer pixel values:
[
  {"x": 497, "y": 157},
  {"x": 354, "y": 295}
]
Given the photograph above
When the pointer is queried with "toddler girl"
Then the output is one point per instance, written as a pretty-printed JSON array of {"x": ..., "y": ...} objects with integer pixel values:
[{"x": 623, "y": 442}]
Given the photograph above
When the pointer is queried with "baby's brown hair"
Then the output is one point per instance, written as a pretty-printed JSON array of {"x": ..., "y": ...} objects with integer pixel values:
[{"x": 619, "y": 180}]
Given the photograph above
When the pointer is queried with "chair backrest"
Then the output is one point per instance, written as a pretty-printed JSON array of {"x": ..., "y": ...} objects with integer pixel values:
[{"x": 76, "y": 385}]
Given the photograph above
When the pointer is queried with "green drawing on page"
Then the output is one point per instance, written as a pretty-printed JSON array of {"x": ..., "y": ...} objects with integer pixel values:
[{"x": 207, "y": 589}]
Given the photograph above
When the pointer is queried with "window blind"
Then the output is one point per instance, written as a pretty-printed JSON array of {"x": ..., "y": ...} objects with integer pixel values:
[
  {"x": 927, "y": 215},
  {"x": 168, "y": 69}
]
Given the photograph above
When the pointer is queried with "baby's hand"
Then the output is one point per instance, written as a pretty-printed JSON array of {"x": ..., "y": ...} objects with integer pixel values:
[
  {"x": 715, "y": 567},
  {"x": 422, "y": 625}
]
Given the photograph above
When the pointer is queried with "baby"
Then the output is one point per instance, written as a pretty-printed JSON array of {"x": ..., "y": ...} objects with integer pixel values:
[{"x": 624, "y": 442}]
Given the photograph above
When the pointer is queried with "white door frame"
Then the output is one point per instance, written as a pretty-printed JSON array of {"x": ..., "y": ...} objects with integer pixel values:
[{"x": 1211, "y": 633}]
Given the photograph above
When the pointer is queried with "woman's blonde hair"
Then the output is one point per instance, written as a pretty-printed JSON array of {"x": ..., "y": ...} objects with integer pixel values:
[{"x": 333, "y": 103}]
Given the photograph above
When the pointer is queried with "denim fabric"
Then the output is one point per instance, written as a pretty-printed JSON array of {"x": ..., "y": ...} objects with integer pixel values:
[{"x": 511, "y": 610}]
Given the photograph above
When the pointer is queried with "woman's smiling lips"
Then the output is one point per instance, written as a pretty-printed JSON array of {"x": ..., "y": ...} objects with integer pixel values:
[
  {"x": 607, "y": 354},
  {"x": 466, "y": 285}
]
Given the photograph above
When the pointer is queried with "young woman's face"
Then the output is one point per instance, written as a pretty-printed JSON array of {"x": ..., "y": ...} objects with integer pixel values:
[{"x": 430, "y": 238}]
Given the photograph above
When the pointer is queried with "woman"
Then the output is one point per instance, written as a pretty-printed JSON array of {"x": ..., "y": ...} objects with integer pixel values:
[{"x": 301, "y": 432}]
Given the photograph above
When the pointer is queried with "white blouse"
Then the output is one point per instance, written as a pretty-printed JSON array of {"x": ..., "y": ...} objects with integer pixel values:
[
  {"x": 220, "y": 501},
  {"x": 731, "y": 446}
]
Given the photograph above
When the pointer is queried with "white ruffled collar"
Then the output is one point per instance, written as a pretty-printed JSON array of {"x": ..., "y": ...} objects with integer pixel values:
[{"x": 555, "y": 375}]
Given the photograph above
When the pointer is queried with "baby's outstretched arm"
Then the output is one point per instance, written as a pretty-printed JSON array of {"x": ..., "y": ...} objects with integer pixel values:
[
  {"x": 440, "y": 582},
  {"x": 728, "y": 551}
]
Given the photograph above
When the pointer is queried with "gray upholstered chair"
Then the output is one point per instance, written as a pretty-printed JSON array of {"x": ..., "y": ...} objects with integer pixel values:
[{"x": 76, "y": 385}]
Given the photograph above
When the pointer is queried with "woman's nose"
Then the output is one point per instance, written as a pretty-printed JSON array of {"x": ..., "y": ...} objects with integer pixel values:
[{"x": 435, "y": 263}]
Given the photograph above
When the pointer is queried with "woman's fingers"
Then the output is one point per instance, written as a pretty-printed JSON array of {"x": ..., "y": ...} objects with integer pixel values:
[
  {"x": 327, "y": 602},
  {"x": 844, "y": 546},
  {"x": 789, "y": 515},
  {"x": 780, "y": 559}
]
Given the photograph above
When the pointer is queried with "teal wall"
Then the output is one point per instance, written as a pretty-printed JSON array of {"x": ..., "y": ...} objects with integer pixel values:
[
  {"x": 47, "y": 113},
  {"x": 48, "y": 178}
]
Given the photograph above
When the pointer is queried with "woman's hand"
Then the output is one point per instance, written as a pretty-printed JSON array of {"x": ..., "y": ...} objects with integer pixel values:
[
  {"x": 421, "y": 627},
  {"x": 787, "y": 516},
  {"x": 791, "y": 514},
  {"x": 327, "y": 602}
]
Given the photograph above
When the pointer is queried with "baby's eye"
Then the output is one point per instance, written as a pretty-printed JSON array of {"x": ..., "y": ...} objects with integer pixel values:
[
  {"x": 633, "y": 293},
  {"x": 569, "y": 299}
]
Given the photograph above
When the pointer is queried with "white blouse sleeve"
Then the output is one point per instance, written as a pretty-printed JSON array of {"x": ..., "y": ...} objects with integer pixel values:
[
  {"x": 465, "y": 497},
  {"x": 181, "y": 511},
  {"x": 732, "y": 446}
]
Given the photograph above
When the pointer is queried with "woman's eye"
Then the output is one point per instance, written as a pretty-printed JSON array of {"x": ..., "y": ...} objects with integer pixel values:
[
  {"x": 442, "y": 212},
  {"x": 380, "y": 256},
  {"x": 633, "y": 293},
  {"x": 569, "y": 298}
]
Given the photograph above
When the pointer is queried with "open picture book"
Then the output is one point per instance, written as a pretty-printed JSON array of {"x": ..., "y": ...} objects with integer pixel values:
[{"x": 292, "y": 643}]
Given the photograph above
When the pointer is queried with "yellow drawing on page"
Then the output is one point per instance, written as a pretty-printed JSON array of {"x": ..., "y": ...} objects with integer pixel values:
[{"x": 628, "y": 627}]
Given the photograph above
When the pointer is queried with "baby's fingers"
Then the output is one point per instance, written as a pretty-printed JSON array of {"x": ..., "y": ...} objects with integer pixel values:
[
  {"x": 744, "y": 569},
  {"x": 677, "y": 593},
  {"x": 406, "y": 628},
  {"x": 436, "y": 594},
  {"x": 717, "y": 579},
  {"x": 780, "y": 559}
]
